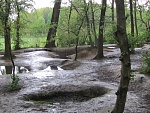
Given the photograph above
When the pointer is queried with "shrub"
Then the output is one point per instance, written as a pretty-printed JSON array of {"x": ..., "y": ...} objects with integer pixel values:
[
  {"x": 14, "y": 85},
  {"x": 145, "y": 68},
  {"x": 135, "y": 41}
]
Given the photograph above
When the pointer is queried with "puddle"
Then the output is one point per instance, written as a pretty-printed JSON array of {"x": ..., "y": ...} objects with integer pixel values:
[
  {"x": 68, "y": 96},
  {"x": 111, "y": 47},
  {"x": 9, "y": 69},
  {"x": 53, "y": 68},
  {"x": 107, "y": 62}
]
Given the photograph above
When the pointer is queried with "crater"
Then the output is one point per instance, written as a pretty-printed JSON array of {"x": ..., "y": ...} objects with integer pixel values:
[{"x": 68, "y": 96}]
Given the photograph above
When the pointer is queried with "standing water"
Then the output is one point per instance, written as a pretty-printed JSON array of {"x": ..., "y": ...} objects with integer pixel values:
[{"x": 9, "y": 70}]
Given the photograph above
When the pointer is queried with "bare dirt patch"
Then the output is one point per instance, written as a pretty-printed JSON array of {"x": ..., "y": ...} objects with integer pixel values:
[{"x": 96, "y": 80}]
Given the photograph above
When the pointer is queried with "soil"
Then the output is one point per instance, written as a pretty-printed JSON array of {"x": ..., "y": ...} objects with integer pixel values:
[{"x": 82, "y": 86}]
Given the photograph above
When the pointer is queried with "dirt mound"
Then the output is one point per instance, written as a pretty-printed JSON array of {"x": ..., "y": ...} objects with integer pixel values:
[{"x": 89, "y": 53}]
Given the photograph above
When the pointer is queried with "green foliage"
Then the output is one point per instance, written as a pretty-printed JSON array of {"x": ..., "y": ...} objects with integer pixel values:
[
  {"x": 132, "y": 75},
  {"x": 35, "y": 24},
  {"x": 33, "y": 42},
  {"x": 14, "y": 85},
  {"x": 109, "y": 35},
  {"x": 145, "y": 68},
  {"x": 135, "y": 41},
  {"x": 26, "y": 42}
]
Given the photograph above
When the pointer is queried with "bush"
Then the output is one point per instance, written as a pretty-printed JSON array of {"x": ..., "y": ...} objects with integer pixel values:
[
  {"x": 135, "y": 41},
  {"x": 109, "y": 35},
  {"x": 14, "y": 85},
  {"x": 145, "y": 68}
]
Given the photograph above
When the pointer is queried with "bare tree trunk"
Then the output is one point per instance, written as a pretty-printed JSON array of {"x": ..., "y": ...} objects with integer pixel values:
[
  {"x": 131, "y": 18},
  {"x": 93, "y": 22},
  {"x": 112, "y": 10},
  {"x": 122, "y": 39},
  {"x": 7, "y": 30},
  {"x": 77, "y": 39},
  {"x": 101, "y": 29},
  {"x": 88, "y": 23},
  {"x": 17, "y": 46},
  {"x": 50, "y": 42},
  {"x": 135, "y": 18},
  {"x": 76, "y": 49},
  {"x": 69, "y": 22}
]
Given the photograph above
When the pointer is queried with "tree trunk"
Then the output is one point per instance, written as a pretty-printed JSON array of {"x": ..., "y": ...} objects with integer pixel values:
[
  {"x": 112, "y": 10},
  {"x": 50, "y": 42},
  {"x": 135, "y": 18},
  {"x": 131, "y": 18},
  {"x": 93, "y": 22},
  {"x": 17, "y": 46},
  {"x": 7, "y": 41},
  {"x": 77, "y": 38},
  {"x": 76, "y": 48},
  {"x": 122, "y": 39},
  {"x": 7, "y": 31},
  {"x": 70, "y": 11},
  {"x": 101, "y": 29},
  {"x": 88, "y": 23}
]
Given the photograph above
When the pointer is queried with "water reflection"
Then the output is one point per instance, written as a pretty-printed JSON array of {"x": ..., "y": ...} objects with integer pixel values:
[
  {"x": 53, "y": 68},
  {"x": 9, "y": 69}
]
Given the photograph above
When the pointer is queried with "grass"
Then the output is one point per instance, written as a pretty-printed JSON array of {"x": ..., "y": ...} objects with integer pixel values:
[{"x": 26, "y": 42}]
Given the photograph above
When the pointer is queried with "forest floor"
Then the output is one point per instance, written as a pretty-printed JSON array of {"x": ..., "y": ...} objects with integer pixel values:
[{"x": 82, "y": 86}]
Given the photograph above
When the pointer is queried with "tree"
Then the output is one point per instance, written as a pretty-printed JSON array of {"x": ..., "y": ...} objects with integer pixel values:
[
  {"x": 131, "y": 18},
  {"x": 50, "y": 42},
  {"x": 79, "y": 20},
  {"x": 5, "y": 9},
  {"x": 78, "y": 27},
  {"x": 93, "y": 21},
  {"x": 121, "y": 37},
  {"x": 17, "y": 46},
  {"x": 112, "y": 9},
  {"x": 86, "y": 7},
  {"x": 101, "y": 28},
  {"x": 145, "y": 21},
  {"x": 135, "y": 17},
  {"x": 20, "y": 6}
]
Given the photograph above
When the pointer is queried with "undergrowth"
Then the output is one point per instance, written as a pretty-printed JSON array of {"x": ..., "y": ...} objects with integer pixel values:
[
  {"x": 145, "y": 68},
  {"x": 14, "y": 84}
]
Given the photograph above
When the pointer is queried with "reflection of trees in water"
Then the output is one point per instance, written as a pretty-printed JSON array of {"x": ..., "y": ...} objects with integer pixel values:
[
  {"x": 18, "y": 69},
  {"x": 53, "y": 68},
  {"x": 22, "y": 70},
  {"x": 8, "y": 70},
  {"x": 2, "y": 70}
]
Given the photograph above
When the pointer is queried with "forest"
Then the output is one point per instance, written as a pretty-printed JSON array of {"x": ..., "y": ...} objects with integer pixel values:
[
  {"x": 47, "y": 50},
  {"x": 34, "y": 25}
]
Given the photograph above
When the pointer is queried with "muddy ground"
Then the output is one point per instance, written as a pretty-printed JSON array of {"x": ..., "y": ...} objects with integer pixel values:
[{"x": 82, "y": 86}]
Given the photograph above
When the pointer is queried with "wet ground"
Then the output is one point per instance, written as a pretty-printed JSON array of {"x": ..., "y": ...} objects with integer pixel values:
[{"x": 53, "y": 85}]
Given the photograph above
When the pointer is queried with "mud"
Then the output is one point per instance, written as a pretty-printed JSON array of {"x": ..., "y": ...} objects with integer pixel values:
[{"x": 83, "y": 86}]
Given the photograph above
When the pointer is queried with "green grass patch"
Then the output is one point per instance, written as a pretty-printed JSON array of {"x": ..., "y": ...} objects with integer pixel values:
[
  {"x": 33, "y": 42},
  {"x": 27, "y": 42}
]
